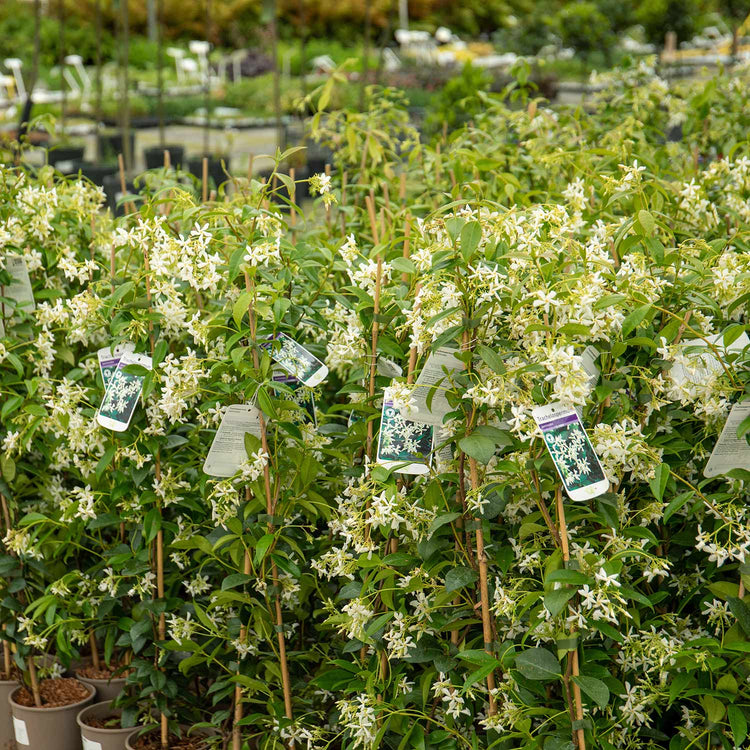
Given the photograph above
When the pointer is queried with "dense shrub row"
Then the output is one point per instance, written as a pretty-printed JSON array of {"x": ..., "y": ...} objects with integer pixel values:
[{"x": 318, "y": 598}]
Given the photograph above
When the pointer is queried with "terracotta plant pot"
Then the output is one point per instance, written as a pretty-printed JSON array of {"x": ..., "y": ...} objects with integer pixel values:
[
  {"x": 7, "y": 738},
  {"x": 47, "y": 728},
  {"x": 106, "y": 690},
  {"x": 94, "y": 738}
]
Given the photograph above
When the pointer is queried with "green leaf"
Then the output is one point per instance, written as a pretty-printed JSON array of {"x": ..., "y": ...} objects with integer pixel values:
[
  {"x": 647, "y": 223},
  {"x": 741, "y": 611},
  {"x": 235, "y": 579},
  {"x": 676, "y": 503},
  {"x": 471, "y": 234},
  {"x": 714, "y": 708},
  {"x": 441, "y": 520},
  {"x": 567, "y": 576},
  {"x": 8, "y": 468},
  {"x": 634, "y": 320},
  {"x": 404, "y": 265},
  {"x": 659, "y": 483},
  {"x": 105, "y": 461},
  {"x": 728, "y": 683},
  {"x": 538, "y": 664},
  {"x": 492, "y": 359},
  {"x": 738, "y": 723},
  {"x": 151, "y": 525},
  {"x": 476, "y": 656},
  {"x": 262, "y": 547},
  {"x": 556, "y": 600},
  {"x": 459, "y": 577},
  {"x": 241, "y": 306},
  {"x": 595, "y": 689},
  {"x": 477, "y": 446}
]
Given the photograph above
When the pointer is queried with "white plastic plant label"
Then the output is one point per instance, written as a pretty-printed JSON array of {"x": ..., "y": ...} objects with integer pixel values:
[
  {"x": 704, "y": 364},
  {"x": 227, "y": 452},
  {"x": 730, "y": 452},
  {"x": 588, "y": 361},
  {"x": 296, "y": 360},
  {"x": 439, "y": 368},
  {"x": 91, "y": 745},
  {"x": 109, "y": 358},
  {"x": 20, "y": 290},
  {"x": 301, "y": 395},
  {"x": 19, "y": 729},
  {"x": 403, "y": 445},
  {"x": 388, "y": 368}
]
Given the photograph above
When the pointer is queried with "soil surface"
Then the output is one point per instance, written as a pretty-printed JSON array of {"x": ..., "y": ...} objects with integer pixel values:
[
  {"x": 152, "y": 741},
  {"x": 107, "y": 722},
  {"x": 92, "y": 673},
  {"x": 60, "y": 692},
  {"x": 15, "y": 674}
]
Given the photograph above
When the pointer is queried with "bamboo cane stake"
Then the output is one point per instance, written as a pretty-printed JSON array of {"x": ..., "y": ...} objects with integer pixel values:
[
  {"x": 204, "y": 193},
  {"x": 6, "y": 659},
  {"x": 484, "y": 593},
  {"x": 123, "y": 184},
  {"x": 236, "y": 728},
  {"x": 34, "y": 682},
  {"x": 159, "y": 541},
  {"x": 94, "y": 650},
  {"x": 292, "y": 198},
  {"x": 578, "y": 734},
  {"x": 270, "y": 510},
  {"x": 369, "y": 200},
  {"x": 407, "y": 237},
  {"x": 328, "y": 208}
]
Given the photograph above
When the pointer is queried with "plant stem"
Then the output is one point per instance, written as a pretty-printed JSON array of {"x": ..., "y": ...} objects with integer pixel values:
[
  {"x": 270, "y": 510},
  {"x": 578, "y": 734},
  {"x": 94, "y": 650},
  {"x": 34, "y": 682}
]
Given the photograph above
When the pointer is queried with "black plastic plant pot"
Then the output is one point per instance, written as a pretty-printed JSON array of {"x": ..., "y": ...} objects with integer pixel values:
[
  {"x": 113, "y": 191},
  {"x": 64, "y": 157},
  {"x": 154, "y": 156},
  {"x": 111, "y": 145},
  {"x": 97, "y": 173},
  {"x": 217, "y": 174}
]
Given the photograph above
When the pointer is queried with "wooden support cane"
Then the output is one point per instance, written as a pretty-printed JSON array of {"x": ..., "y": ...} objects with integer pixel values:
[
  {"x": 204, "y": 193},
  {"x": 578, "y": 734},
  {"x": 123, "y": 183}
]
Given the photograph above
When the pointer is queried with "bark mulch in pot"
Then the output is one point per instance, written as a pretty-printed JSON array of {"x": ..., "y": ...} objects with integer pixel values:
[
  {"x": 106, "y": 722},
  {"x": 62, "y": 691},
  {"x": 92, "y": 673},
  {"x": 152, "y": 741}
]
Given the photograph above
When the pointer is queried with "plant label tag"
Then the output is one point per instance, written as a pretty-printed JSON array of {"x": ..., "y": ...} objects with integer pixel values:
[
  {"x": 403, "y": 445},
  {"x": 301, "y": 395},
  {"x": 588, "y": 361},
  {"x": 440, "y": 366},
  {"x": 19, "y": 729},
  {"x": 730, "y": 452},
  {"x": 122, "y": 394},
  {"x": 703, "y": 365},
  {"x": 109, "y": 358},
  {"x": 227, "y": 452},
  {"x": 388, "y": 368},
  {"x": 295, "y": 359},
  {"x": 91, "y": 745},
  {"x": 20, "y": 290}
]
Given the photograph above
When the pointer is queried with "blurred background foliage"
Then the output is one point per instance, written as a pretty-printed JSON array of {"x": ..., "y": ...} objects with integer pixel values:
[{"x": 520, "y": 26}]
